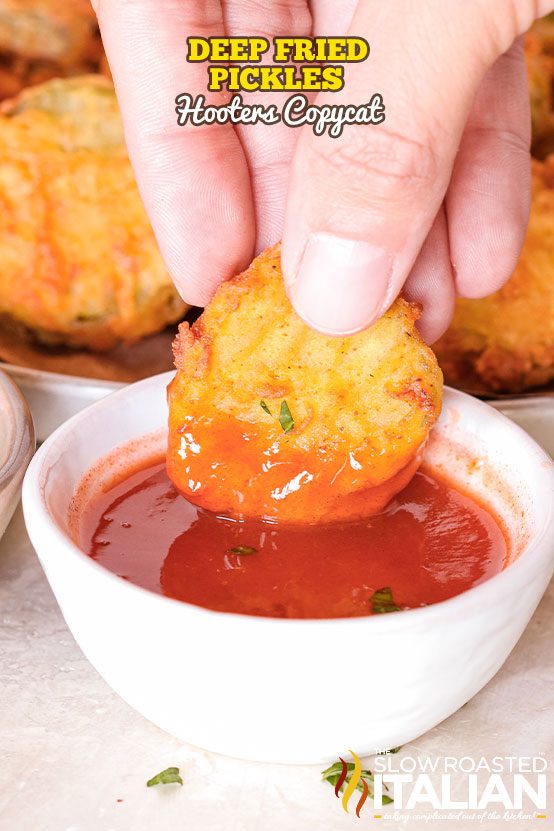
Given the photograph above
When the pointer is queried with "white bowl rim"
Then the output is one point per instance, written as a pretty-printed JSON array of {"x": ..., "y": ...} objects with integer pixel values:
[{"x": 33, "y": 501}]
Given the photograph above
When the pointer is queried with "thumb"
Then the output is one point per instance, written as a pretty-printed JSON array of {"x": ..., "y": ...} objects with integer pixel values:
[{"x": 360, "y": 206}]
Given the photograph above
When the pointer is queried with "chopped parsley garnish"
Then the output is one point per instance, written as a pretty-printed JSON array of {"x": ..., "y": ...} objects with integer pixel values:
[
  {"x": 243, "y": 549},
  {"x": 169, "y": 776},
  {"x": 382, "y": 602},
  {"x": 390, "y": 750},
  {"x": 333, "y": 774},
  {"x": 285, "y": 417}
]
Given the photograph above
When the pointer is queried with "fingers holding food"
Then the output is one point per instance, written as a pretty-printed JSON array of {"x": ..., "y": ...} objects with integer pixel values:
[{"x": 271, "y": 419}]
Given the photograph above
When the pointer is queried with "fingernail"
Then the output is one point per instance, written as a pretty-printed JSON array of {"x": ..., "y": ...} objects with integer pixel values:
[{"x": 341, "y": 284}]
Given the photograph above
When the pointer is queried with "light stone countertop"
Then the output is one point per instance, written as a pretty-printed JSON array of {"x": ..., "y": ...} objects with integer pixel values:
[{"x": 70, "y": 748}]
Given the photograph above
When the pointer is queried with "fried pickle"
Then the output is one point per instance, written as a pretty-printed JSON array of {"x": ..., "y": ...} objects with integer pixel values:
[
  {"x": 271, "y": 419},
  {"x": 43, "y": 39},
  {"x": 505, "y": 342},
  {"x": 79, "y": 264},
  {"x": 539, "y": 57}
]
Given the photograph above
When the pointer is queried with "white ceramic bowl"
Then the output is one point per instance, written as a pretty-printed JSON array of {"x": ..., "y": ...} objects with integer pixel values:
[
  {"x": 296, "y": 691},
  {"x": 17, "y": 443}
]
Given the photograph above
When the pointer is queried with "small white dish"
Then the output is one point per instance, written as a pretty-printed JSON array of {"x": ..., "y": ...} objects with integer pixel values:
[
  {"x": 17, "y": 444},
  {"x": 53, "y": 398},
  {"x": 296, "y": 691}
]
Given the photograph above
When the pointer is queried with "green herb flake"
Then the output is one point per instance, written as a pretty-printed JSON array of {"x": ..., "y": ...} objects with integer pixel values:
[
  {"x": 382, "y": 601},
  {"x": 332, "y": 776},
  {"x": 390, "y": 750},
  {"x": 243, "y": 549},
  {"x": 285, "y": 417},
  {"x": 169, "y": 776},
  {"x": 265, "y": 408}
]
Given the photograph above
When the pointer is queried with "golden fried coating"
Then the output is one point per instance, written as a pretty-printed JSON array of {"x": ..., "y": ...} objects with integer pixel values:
[
  {"x": 540, "y": 71},
  {"x": 350, "y": 435},
  {"x": 56, "y": 30},
  {"x": 79, "y": 264},
  {"x": 43, "y": 39},
  {"x": 505, "y": 342}
]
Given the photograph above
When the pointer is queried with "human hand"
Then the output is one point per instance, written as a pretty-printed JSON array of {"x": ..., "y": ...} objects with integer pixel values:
[{"x": 433, "y": 201}]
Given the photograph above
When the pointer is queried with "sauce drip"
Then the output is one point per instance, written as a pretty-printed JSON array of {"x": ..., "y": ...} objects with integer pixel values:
[{"x": 431, "y": 542}]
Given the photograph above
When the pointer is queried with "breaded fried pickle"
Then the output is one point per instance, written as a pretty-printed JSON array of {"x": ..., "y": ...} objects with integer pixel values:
[
  {"x": 347, "y": 416},
  {"x": 79, "y": 264},
  {"x": 505, "y": 342},
  {"x": 539, "y": 57},
  {"x": 57, "y": 30},
  {"x": 43, "y": 39}
]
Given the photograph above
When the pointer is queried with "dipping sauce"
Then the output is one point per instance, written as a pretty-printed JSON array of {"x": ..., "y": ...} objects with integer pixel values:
[{"x": 430, "y": 543}]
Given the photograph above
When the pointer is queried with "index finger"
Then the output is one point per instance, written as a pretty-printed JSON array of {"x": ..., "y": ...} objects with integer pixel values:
[{"x": 194, "y": 181}]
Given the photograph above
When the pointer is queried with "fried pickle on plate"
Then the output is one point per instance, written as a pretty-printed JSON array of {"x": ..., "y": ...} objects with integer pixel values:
[
  {"x": 539, "y": 57},
  {"x": 43, "y": 39},
  {"x": 79, "y": 265},
  {"x": 268, "y": 418},
  {"x": 505, "y": 342}
]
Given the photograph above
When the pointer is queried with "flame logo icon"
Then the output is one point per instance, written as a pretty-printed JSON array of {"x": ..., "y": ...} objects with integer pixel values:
[{"x": 355, "y": 780}]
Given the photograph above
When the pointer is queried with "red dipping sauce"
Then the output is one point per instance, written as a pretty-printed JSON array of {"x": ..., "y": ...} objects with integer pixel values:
[{"x": 432, "y": 542}]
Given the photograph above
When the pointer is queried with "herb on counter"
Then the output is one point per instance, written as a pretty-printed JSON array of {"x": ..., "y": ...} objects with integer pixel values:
[
  {"x": 334, "y": 773},
  {"x": 382, "y": 602},
  {"x": 243, "y": 549},
  {"x": 169, "y": 776},
  {"x": 285, "y": 417}
]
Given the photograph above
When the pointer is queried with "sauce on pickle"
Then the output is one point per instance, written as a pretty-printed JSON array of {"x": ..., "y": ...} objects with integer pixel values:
[{"x": 431, "y": 542}]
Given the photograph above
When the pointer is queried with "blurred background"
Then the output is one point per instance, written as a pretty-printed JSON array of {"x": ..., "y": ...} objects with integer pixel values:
[{"x": 83, "y": 290}]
